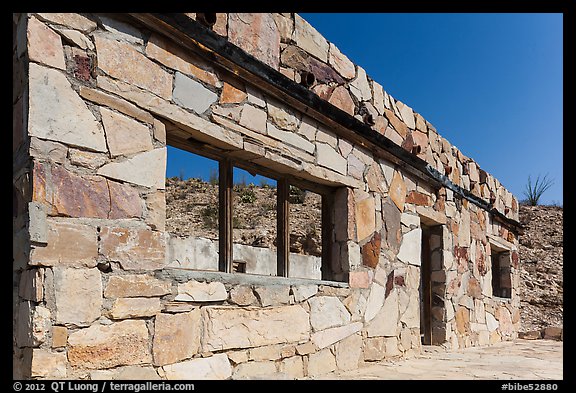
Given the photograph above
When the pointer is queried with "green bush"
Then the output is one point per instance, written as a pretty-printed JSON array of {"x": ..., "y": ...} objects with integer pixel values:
[{"x": 533, "y": 192}]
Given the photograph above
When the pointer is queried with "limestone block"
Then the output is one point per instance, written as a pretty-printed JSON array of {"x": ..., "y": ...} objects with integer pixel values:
[
  {"x": 407, "y": 114},
  {"x": 44, "y": 45},
  {"x": 365, "y": 218},
  {"x": 462, "y": 320},
  {"x": 47, "y": 364},
  {"x": 136, "y": 285},
  {"x": 504, "y": 319},
  {"x": 124, "y": 135},
  {"x": 76, "y": 38},
  {"x": 230, "y": 327},
  {"x": 293, "y": 367},
  {"x": 122, "y": 31},
  {"x": 410, "y": 313},
  {"x": 375, "y": 301},
  {"x": 176, "y": 337},
  {"x": 267, "y": 352},
  {"x": 374, "y": 349},
  {"x": 290, "y": 138},
  {"x": 195, "y": 291},
  {"x": 242, "y": 295},
  {"x": 147, "y": 169},
  {"x": 307, "y": 348},
  {"x": 355, "y": 167},
  {"x": 253, "y": 118},
  {"x": 349, "y": 353},
  {"x": 273, "y": 295},
  {"x": 386, "y": 321},
  {"x": 304, "y": 292},
  {"x": 86, "y": 159},
  {"x": 72, "y": 20},
  {"x": 328, "y": 157},
  {"x": 191, "y": 94},
  {"x": 78, "y": 295},
  {"x": 282, "y": 116},
  {"x": 119, "y": 104},
  {"x": 326, "y": 312},
  {"x": 141, "y": 373},
  {"x": 341, "y": 63},
  {"x": 410, "y": 248},
  {"x": 309, "y": 39},
  {"x": 360, "y": 87},
  {"x": 134, "y": 248},
  {"x": 321, "y": 362},
  {"x": 120, "y": 60},
  {"x": 257, "y": 34},
  {"x": 258, "y": 370},
  {"x": 325, "y": 338},
  {"x": 215, "y": 367},
  {"x": 398, "y": 191},
  {"x": 379, "y": 97},
  {"x": 192, "y": 253},
  {"x": 134, "y": 307},
  {"x": 156, "y": 210},
  {"x": 57, "y": 113},
  {"x": 69, "y": 244},
  {"x": 59, "y": 336},
  {"x": 375, "y": 179}
]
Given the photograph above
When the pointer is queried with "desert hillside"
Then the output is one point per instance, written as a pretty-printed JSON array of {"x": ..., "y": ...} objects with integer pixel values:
[{"x": 192, "y": 208}]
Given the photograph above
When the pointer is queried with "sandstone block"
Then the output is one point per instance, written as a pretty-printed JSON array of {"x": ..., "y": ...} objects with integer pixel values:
[
  {"x": 125, "y": 201},
  {"x": 398, "y": 191},
  {"x": 273, "y": 295},
  {"x": 371, "y": 251},
  {"x": 120, "y": 105},
  {"x": 386, "y": 320},
  {"x": 341, "y": 63},
  {"x": 179, "y": 59},
  {"x": 124, "y": 308},
  {"x": 176, "y": 337},
  {"x": 257, "y": 34},
  {"x": 349, "y": 352},
  {"x": 418, "y": 198},
  {"x": 327, "y": 157},
  {"x": 44, "y": 45},
  {"x": 147, "y": 169},
  {"x": 293, "y": 367},
  {"x": 106, "y": 346},
  {"x": 407, "y": 114},
  {"x": 303, "y": 292},
  {"x": 309, "y": 39},
  {"x": 124, "y": 135},
  {"x": 120, "y": 60},
  {"x": 360, "y": 87},
  {"x": 59, "y": 336},
  {"x": 72, "y": 20},
  {"x": 232, "y": 95},
  {"x": 326, "y": 312},
  {"x": 230, "y": 327},
  {"x": 342, "y": 100},
  {"x": 267, "y": 352},
  {"x": 378, "y": 97},
  {"x": 146, "y": 373},
  {"x": 325, "y": 338},
  {"x": 253, "y": 118},
  {"x": 242, "y": 295},
  {"x": 68, "y": 244},
  {"x": 398, "y": 124},
  {"x": 321, "y": 362},
  {"x": 375, "y": 301},
  {"x": 410, "y": 248},
  {"x": 194, "y": 291},
  {"x": 76, "y": 38},
  {"x": 86, "y": 159},
  {"x": 462, "y": 320},
  {"x": 136, "y": 285},
  {"x": 133, "y": 248},
  {"x": 211, "y": 368},
  {"x": 57, "y": 113},
  {"x": 47, "y": 364},
  {"x": 375, "y": 349},
  {"x": 553, "y": 333},
  {"x": 255, "y": 370},
  {"x": 359, "y": 279},
  {"x": 290, "y": 138},
  {"x": 78, "y": 295},
  {"x": 365, "y": 218}
]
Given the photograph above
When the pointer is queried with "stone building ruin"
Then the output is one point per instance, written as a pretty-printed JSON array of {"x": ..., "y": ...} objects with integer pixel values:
[{"x": 419, "y": 244}]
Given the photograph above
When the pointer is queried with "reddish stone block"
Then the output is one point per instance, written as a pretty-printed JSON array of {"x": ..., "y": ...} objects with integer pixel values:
[
  {"x": 125, "y": 201},
  {"x": 371, "y": 251},
  {"x": 417, "y": 198},
  {"x": 359, "y": 279},
  {"x": 474, "y": 288},
  {"x": 82, "y": 67},
  {"x": 515, "y": 259}
]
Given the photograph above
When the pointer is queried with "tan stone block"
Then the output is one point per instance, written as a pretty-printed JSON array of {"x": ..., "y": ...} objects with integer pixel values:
[
  {"x": 293, "y": 367},
  {"x": 178, "y": 58},
  {"x": 59, "y": 336},
  {"x": 136, "y": 285},
  {"x": 309, "y": 39},
  {"x": 268, "y": 352},
  {"x": 307, "y": 348},
  {"x": 321, "y": 362},
  {"x": 176, "y": 337},
  {"x": 101, "y": 98},
  {"x": 215, "y": 367},
  {"x": 253, "y": 118},
  {"x": 134, "y": 307},
  {"x": 257, "y": 34},
  {"x": 195, "y": 291},
  {"x": 78, "y": 295},
  {"x": 44, "y": 45},
  {"x": 398, "y": 191},
  {"x": 232, "y": 95},
  {"x": 72, "y": 20},
  {"x": 398, "y": 124},
  {"x": 365, "y": 218},
  {"x": 325, "y": 338},
  {"x": 124, "y": 135},
  {"x": 47, "y": 364},
  {"x": 361, "y": 279},
  {"x": 341, "y": 63},
  {"x": 462, "y": 320},
  {"x": 230, "y": 327},
  {"x": 69, "y": 244},
  {"x": 106, "y": 346},
  {"x": 57, "y": 113},
  {"x": 86, "y": 159},
  {"x": 374, "y": 349},
  {"x": 156, "y": 210},
  {"x": 341, "y": 99},
  {"x": 120, "y": 60},
  {"x": 255, "y": 370},
  {"x": 349, "y": 352},
  {"x": 133, "y": 248},
  {"x": 360, "y": 87}
]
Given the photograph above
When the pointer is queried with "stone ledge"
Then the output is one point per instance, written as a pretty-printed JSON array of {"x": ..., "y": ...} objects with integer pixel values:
[{"x": 183, "y": 275}]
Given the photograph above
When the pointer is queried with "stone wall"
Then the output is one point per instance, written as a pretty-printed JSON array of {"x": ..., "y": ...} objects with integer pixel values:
[{"x": 96, "y": 97}]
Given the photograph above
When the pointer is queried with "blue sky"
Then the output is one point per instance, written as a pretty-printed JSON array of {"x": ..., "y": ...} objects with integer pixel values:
[{"x": 490, "y": 83}]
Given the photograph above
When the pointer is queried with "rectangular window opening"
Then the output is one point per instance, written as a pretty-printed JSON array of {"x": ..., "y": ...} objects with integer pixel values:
[{"x": 501, "y": 274}]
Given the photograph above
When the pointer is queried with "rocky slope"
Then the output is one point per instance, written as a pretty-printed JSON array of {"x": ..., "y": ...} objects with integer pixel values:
[
  {"x": 193, "y": 209},
  {"x": 541, "y": 267}
]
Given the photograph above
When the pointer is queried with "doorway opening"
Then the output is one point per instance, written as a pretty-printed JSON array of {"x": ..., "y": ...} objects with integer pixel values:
[{"x": 432, "y": 284}]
